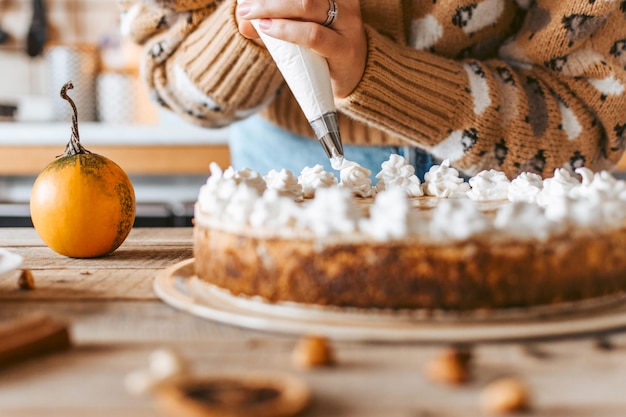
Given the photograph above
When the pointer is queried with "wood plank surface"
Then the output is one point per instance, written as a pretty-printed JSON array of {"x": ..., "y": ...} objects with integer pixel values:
[
  {"x": 116, "y": 322},
  {"x": 139, "y": 236},
  {"x": 126, "y": 256},
  {"x": 127, "y": 273},
  {"x": 81, "y": 284},
  {"x": 19, "y": 236},
  {"x": 569, "y": 379}
]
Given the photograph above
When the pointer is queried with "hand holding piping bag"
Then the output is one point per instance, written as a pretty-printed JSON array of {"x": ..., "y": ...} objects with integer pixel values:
[{"x": 304, "y": 68}]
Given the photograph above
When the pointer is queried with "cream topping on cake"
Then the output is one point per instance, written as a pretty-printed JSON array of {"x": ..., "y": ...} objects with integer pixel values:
[
  {"x": 575, "y": 212},
  {"x": 356, "y": 178},
  {"x": 398, "y": 173},
  {"x": 312, "y": 178},
  {"x": 333, "y": 210},
  {"x": 489, "y": 186},
  {"x": 275, "y": 211},
  {"x": 458, "y": 219},
  {"x": 249, "y": 177},
  {"x": 233, "y": 199},
  {"x": 525, "y": 187},
  {"x": 557, "y": 187},
  {"x": 285, "y": 183},
  {"x": 390, "y": 216},
  {"x": 600, "y": 186},
  {"x": 215, "y": 195},
  {"x": 241, "y": 205},
  {"x": 525, "y": 221},
  {"x": 444, "y": 181},
  {"x": 606, "y": 195}
]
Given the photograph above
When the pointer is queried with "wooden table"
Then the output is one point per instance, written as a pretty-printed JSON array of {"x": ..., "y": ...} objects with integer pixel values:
[{"x": 117, "y": 321}]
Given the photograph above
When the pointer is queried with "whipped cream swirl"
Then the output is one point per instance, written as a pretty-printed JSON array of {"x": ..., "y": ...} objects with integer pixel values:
[
  {"x": 607, "y": 193},
  {"x": 444, "y": 181},
  {"x": 458, "y": 219},
  {"x": 398, "y": 173},
  {"x": 312, "y": 178},
  {"x": 489, "y": 186},
  {"x": 599, "y": 186},
  {"x": 275, "y": 211},
  {"x": 240, "y": 205},
  {"x": 389, "y": 215},
  {"x": 331, "y": 211},
  {"x": 557, "y": 187},
  {"x": 247, "y": 176},
  {"x": 356, "y": 178},
  {"x": 524, "y": 220},
  {"x": 285, "y": 183},
  {"x": 525, "y": 187},
  {"x": 575, "y": 212},
  {"x": 215, "y": 194}
]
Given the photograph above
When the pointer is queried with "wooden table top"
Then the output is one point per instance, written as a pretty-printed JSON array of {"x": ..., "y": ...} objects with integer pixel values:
[{"x": 116, "y": 321}]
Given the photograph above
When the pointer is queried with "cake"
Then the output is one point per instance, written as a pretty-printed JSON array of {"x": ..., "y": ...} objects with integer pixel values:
[{"x": 444, "y": 243}]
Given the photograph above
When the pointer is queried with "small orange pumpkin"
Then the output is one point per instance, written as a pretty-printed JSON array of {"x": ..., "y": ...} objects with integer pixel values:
[{"x": 82, "y": 204}]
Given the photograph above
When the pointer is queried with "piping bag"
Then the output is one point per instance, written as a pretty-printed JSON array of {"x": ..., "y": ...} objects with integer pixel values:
[{"x": 307, "y": 75}]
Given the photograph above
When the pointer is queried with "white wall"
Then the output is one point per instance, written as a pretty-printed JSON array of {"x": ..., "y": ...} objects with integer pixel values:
[{"x": 69, "y": 21}]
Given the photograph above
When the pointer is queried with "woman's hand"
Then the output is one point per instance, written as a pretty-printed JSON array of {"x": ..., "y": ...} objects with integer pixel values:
[{"x": 343, "y": 44}]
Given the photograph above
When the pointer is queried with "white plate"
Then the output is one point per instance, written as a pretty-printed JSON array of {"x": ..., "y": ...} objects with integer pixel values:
[
  {"x": 178, "y": 286},
  {"x": 9, "y": 261}
]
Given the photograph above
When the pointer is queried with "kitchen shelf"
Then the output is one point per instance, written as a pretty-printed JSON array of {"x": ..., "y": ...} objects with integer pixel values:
[
  {"x": 94, "y": 133},
  {"x": 26, "y": 148}
]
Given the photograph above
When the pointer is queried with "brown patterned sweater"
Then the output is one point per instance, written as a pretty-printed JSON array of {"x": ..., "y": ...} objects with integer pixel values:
[{"x": 515, "y": 85}]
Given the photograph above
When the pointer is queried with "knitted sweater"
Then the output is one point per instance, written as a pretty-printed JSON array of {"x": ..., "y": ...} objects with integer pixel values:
[{"x": 513, "y": 85}]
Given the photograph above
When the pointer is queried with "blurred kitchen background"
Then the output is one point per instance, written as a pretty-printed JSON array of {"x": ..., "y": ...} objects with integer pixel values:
[{"x": 45, "y": 43}]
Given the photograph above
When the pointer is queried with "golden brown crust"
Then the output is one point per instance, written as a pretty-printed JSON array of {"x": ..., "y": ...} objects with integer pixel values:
[{"x": 468, "y": 275}]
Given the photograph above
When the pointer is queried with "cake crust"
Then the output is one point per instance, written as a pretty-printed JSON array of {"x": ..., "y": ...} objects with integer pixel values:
[{"x": 463, "y": 275}]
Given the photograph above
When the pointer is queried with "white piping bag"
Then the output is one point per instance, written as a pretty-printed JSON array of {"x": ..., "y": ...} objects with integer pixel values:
[{"x": 306, "y": 73}]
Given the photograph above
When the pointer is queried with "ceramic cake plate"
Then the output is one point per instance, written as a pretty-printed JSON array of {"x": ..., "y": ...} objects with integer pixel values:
[
  {"x": 9, "y": 261},
  {"x": 179, "y": 287}
]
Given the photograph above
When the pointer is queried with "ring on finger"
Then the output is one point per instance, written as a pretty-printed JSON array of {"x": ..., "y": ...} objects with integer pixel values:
[{"x": 333, "y": 11}]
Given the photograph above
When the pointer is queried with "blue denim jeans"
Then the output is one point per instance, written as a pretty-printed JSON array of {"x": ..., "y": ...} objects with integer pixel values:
[{"x": 259, "y": 145}]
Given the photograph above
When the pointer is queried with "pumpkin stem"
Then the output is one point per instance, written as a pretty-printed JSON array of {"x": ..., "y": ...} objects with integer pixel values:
[{"x": 73, "y": 146}]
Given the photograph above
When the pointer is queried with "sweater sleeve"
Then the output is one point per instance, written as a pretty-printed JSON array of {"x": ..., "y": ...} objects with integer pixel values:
[
  {"x": 198, "y": 65},
  {"x": 553, "y": 97}
]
